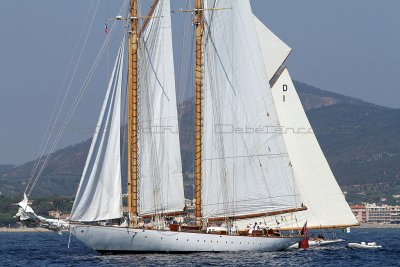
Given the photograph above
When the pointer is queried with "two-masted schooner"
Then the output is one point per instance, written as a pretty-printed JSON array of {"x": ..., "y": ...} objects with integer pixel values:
[
  {"x": 240, "y": 173},
  {"x": 257, "y": 161}
]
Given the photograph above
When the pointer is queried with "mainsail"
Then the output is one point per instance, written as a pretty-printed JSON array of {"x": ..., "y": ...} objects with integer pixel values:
[
  {"x": 160, "y": 170},
  {"x": 245, "y": 163},
  {"x": 99, "y": 195}
]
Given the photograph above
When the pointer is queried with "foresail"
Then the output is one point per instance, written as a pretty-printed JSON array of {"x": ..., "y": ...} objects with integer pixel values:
[
  {"x": 99, "y": 195},
  {"x": 245, "y": 167},
  {"x": 275, "y": 51},
  {"x": 160, "y": 170},
  {"x": 318, "y": 187}
]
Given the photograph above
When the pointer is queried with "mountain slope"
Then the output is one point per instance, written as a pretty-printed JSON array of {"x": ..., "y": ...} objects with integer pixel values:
[
  {"x": 360, "y": 140},
  {"x": 362, "y": 145},
  {"x": 60, "y": 177}
]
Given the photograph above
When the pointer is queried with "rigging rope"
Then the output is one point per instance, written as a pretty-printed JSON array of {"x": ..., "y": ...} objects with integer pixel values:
[
  {"x": 76, "y": 101},
  {"x": 47, "y": 135}
]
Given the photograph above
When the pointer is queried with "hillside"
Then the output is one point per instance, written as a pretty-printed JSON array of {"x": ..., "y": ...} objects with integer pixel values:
[
  {"x": 360, "y": 140},
  {"x": 6, "y": 167},
  {"x": 60, "y": 177}
]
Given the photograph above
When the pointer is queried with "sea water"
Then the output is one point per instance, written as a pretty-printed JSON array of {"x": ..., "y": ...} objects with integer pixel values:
[{"x": 50, "y": 249}]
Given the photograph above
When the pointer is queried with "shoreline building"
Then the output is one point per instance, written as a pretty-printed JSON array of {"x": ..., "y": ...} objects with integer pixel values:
[{"x": 372, "y": 213}]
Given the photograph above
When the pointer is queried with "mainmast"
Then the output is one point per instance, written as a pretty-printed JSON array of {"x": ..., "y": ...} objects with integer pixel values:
[
  {"x": 199, "y": 23},
  {"x": 133, "y": 114}
]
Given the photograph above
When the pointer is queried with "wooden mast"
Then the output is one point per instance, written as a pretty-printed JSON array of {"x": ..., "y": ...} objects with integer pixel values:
[
  {"x": 199, "y": 23},
  {"x": 133, "y": 114}
]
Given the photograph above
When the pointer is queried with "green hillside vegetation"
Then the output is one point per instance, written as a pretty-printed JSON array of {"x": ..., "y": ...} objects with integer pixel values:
[
  {"x": 362, "y": 145},
  {"x": 7, "y": 211}
]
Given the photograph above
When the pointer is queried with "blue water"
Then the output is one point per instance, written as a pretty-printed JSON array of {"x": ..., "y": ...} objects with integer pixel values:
[{"x": 49, "y": 249}]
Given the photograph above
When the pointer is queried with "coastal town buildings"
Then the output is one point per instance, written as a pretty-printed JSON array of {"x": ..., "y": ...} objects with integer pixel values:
[{"x": 372, "y": 213}]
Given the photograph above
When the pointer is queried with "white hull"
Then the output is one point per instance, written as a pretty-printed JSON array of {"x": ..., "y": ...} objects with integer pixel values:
[
  {"x": 118, "y": 240},
  {"x": 315, "y": 243},
  {"x": 364, "y": 245}
]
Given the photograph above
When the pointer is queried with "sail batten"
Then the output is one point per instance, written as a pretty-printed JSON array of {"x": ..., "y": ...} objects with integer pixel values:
[
  {"x": 245, "y": 168},
  {"x": 99, "y": 196},
  {"x": 160, "y": 170}
]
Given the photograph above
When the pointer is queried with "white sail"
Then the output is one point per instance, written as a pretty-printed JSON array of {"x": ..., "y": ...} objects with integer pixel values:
[
  {"x": 245, "y": 163},
  {"x": 99, "y": 195},
  {"x": 318, "y": 187},
  {"x": 160, "y": 170},
  {"x": 275, "y": 51}
]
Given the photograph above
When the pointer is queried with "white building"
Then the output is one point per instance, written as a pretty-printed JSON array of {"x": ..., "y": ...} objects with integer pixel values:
[{"x": 372, "y": 213}]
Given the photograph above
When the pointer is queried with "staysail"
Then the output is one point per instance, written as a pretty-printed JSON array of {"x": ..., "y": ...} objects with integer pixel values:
[
  {"x": 160, "y": 169},
  {"x": 245, "y": 167},
  {"x": 99, "y": 195}
]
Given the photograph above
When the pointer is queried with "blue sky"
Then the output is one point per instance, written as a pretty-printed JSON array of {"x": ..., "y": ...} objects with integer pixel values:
[{"x": 348, "y": 47}]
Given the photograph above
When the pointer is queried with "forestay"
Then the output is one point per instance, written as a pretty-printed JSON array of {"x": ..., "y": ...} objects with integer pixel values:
[
  {"x": 99, "y": 195},
  {"x": 245, "y": 163},
  {"x": 160, "y": 170}
]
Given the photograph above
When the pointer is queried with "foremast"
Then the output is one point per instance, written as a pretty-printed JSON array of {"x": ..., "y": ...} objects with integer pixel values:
[
  {"x": 199, "y": 23},
  {"x": 132, "y": 92}
]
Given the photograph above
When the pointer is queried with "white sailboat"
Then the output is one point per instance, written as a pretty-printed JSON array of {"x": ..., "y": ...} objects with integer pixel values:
[
  {"x": 319, "y": 190},
  {"x": 239, "y": 174}
]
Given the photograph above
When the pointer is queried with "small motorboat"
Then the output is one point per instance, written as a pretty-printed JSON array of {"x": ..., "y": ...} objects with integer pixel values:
[
  {"x": 364, "y": 245},
  {"x": 319, "y": 242}
]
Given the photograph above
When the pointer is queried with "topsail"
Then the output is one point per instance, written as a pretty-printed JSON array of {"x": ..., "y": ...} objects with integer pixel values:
[{"x": 274, "y": 51}]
